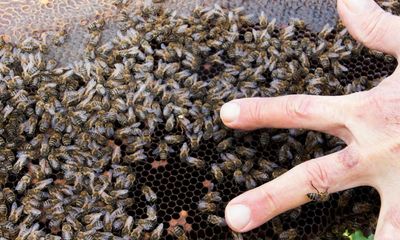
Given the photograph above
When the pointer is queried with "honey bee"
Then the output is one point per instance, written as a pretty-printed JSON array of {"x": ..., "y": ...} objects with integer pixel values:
[
  {"x": 239, "y": 176},
  {"x": 250, "y": 182},
  {"x": 3, "y": 212},
  {"x": 184, "y": 152},
  {"x": 345, "y": 198},
  {"x": 9, "y": 195},
  {"x": 231, "y": 162},
  {"x": 195, "y": 162},
  {"x": 137, "y": 156},
  {"x": 174, "y": 139},
  {"x": 212, "y": 197},
  {"x": 216, "y": 220},
  {"x": 96, "y": 25},
  {"x": 318, "y": 196},
  {"x": 157, "y": 232},
  {"x": 259, "y": 176},
  {"x": 290, "y": 234},
  {"x": 15, "y": 213},
  {"x": 225, "y": 144},
  {"x": 137, "y": 233},
  {"x": 163, "y": 150},
  {"x": 149, "y": 194},
  {"x": 278, "y": 172},
  {"x": 23, "y": 183},
  {"x": 170, "y": 123},
  {"x": 236, "y": 235},
  {"x": 217, "y": 172},
  {"x": 362, "y": 208},
  {"x": 179, "y": 232},
  {"x": 204, "y": 206},
  {"x": 285, "y": 154},
  {"x": 60, "y": 37},
  {"x": 67, "y": 232},
  {"x": 295, "y": 213},
  {"x": 246, "y": 152}
]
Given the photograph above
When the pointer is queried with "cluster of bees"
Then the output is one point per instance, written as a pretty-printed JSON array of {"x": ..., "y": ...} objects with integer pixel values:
[{"x": 70, "y": 133}]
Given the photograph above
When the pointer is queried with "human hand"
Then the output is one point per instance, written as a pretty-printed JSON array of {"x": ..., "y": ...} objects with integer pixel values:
[{"x": 369, "y": 123}]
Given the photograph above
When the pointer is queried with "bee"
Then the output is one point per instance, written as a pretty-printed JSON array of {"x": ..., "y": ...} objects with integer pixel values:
[
  {"x": 204, "y": 206},
  {"x": 67, "y": 232},
  {"x": 212, "y": 197},
  {"x": 3, "y": 212},
  {"x": 21, "y": 162},
  {"x": 362, "y": 208},
  {"x": 239, "y": 176},
  {"x": 15, "y": 213},
  {"x": 318, "y": 196},
  {"x": 23, "y": 183},
  {"x": 170, "y": 123},
  {"x": 149, "y": 194},
  {"x": 236, "y": 235},
  {"x": 195, "y": 162},
  {"x": 174, "y": 139},
  {"x": 157, "y": 232},
  {"x": 266, "y": 165},
  {"x": 163, "y": 150},
  {"x": 279, "y": 171},
  {"x": 259, "y": 175},
  {"x": 179, "y": 232},
  {"x": 231, "y": 162},
  {"x": 137, "y": 233},
  {"x": 60, "y": 37},
  {"x": 290, "y": 234},
  {"x": 96, "y": 25},
  {"x": 216, "y": 220},
  {"x": 285, "y": 154},
  {"x": 246, "y": 152},
  {"x": 224, "y": 145},
  {"x": 195, "y": 139},
  {"x": 183, "y": 123},
  {"x": 345, "y": 198},
  {"x": 55, "y": 139},
  {"x": 137, "y": 156},
  {"x": 295, "y": 213},
  {"x": 9, "y": 195},
  {"x": 217, "y": 172},
  {"x": 324, "y": 61},
  {"x": 184, "y": 152}
]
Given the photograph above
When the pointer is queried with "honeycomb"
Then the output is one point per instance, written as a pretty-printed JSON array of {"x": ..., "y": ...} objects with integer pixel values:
[
  {"x": 21, "y": 18},
  {"x": 179, "y": 186}
]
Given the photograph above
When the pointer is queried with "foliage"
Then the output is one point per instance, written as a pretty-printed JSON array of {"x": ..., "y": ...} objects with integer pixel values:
[{"x": 357, "y": 235}]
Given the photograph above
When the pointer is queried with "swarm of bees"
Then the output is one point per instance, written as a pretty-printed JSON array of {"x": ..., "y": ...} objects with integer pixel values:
[{"x": 76, "y": 139}]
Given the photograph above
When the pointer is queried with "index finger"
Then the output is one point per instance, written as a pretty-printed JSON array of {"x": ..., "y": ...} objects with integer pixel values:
[{"x": 321, "y": 113}]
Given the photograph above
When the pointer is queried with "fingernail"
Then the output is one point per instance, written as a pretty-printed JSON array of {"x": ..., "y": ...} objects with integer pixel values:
[
  {"x": 230, "y": 112},
  {"x": 357, "y": 6},
  {"x": 237, "y": 216}
]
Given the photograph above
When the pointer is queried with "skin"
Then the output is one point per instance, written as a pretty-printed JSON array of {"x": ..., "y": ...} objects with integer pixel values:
[{"x": 369, "y": 122}]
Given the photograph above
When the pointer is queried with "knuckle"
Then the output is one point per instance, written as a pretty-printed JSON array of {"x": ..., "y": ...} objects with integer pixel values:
[
  {"x": 348, "y": 158},
  {"x": 297, "y": 106},
  {"x": 270, "y": 199},
  {"x": 394, "y": 218},
  {"x": 375, "y": 29},
  {"x": 317, "y": 174},
  {"x": 257, "y": 111}
]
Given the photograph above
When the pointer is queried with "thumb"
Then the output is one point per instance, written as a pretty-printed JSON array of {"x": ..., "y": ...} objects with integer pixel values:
[{"x": 371, "y": 25}]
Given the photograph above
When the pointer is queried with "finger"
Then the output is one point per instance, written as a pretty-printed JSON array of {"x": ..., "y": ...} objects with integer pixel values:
[
  {"x": 371, "y": 25},
  {"x": 389, "y": 217},
  {"x": 333, "y": 173},
  {"x": 388, "y": 223},
  {"x": 321, "y": 113}
]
